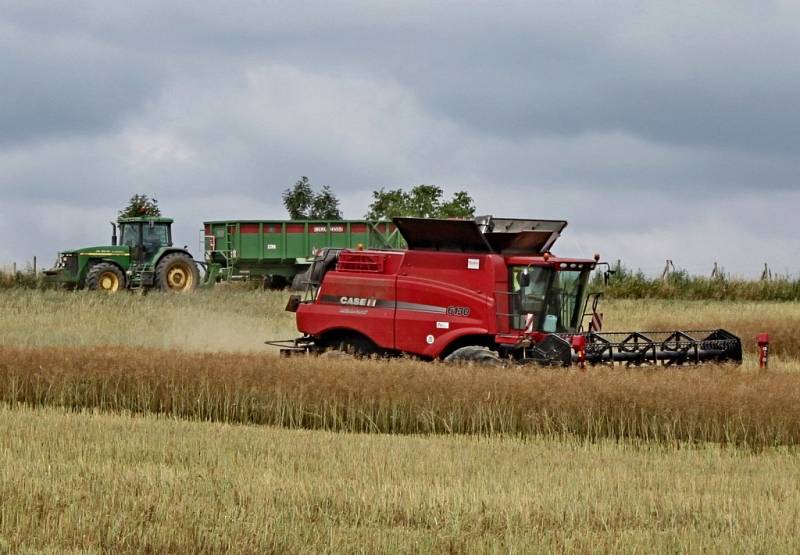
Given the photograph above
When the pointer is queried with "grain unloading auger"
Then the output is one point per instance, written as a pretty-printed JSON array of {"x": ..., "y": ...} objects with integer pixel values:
[{"x": 487, "y": 291}]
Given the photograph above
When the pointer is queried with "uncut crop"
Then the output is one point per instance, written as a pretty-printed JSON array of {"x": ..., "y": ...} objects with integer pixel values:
[{"x": 709, "y": 404}]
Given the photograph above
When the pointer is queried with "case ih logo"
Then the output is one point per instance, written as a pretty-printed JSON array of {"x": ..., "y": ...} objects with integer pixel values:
[{"x": 359, "y": 301}]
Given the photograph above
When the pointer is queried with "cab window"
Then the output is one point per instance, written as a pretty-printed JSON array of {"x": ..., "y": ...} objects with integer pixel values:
[
  {"x": 566, "y": 299},
  {"x": 529, "y": 285},
  {"x": 129, "y": 235},
  {"x": 154, "y": 237}
]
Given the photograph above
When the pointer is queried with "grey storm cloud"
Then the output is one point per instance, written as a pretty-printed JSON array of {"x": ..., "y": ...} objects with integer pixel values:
[{"x": 670, "y": 121}]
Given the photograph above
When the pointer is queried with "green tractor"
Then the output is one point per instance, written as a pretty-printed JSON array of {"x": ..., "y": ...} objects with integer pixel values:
[{"x": 143, "y": 258}]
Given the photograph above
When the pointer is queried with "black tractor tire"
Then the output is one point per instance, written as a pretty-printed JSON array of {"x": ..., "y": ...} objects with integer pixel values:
[
  {"x": 300, "y": 280},
  {"x": 177, "y": 273},
  {"x": 474, "y": 354},
  {"x": 105, "y": 277}
]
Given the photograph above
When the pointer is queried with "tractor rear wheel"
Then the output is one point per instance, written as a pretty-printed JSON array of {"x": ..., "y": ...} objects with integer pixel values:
[
  {"x": 105, "y": 277},
  {"x": 300, "y": 280},
  {"x": 177, "y": 273},
  {"x": 474, "y": 354}
]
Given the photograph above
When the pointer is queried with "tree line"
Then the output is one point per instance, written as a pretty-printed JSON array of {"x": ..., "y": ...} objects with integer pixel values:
[
  {"x": 422, "y": 201},
  {"x": 302, "y": 202}
]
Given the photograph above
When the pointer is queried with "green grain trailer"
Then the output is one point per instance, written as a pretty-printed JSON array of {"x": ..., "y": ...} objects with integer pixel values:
[{"x": 275, "y": 251}]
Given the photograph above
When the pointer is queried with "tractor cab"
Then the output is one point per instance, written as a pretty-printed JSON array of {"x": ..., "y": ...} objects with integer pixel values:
[{"x": 144, "y": 237}]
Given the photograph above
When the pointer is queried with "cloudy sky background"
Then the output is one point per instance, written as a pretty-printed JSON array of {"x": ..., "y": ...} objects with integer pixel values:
[{"x": 659, "y": 130}]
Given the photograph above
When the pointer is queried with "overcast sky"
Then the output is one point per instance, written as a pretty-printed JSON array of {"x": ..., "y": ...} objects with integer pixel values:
[{"x": 658, "y": 129}]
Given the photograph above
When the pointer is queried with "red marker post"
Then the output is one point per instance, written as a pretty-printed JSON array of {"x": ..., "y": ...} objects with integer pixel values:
[
  {"x": 763, "y": 350},
  {"x": 579, "y": 346}
]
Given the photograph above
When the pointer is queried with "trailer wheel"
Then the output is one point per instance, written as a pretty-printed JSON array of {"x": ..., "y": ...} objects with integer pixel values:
[
  {"x": 474, "y": 354},
  {"x": 177, "y": 272},
  {"x": 105, "y": 277}
]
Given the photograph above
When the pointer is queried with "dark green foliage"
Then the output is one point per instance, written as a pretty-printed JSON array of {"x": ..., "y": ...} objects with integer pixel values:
[
  {"x": 628, "y": 284},
  {"x": 422, "y": 201},
  {"x": 303, "y": 203},
  {"x": 21, "y": 280},
  {"x": 140, "y": 205}
]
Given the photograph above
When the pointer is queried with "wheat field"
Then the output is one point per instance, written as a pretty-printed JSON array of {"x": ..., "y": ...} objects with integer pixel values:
[
  {"x": 159, "y": 423},
  {"x": 98, "y": 483}
]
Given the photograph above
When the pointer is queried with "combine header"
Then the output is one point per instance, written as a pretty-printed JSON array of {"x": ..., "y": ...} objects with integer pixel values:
[{"x": 487, "y": 290}]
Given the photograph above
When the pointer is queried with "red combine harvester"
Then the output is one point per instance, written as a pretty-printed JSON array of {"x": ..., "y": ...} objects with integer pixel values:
[{"x": 486, "y": 290}]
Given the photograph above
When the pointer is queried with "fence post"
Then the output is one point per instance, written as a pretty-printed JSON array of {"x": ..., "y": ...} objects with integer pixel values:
[
  {"x": 666, "y": 272},
  {"x": 34, "y": 266}
]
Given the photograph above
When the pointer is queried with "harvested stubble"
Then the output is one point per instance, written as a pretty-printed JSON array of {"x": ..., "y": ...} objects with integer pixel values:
[
  {"x": 99, "y": 483},
  {"x": 708, "y": 404}
]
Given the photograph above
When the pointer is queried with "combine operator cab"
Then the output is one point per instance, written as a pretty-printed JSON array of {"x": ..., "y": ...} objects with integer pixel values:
[
  {"x": 547, "y": 299},
  {"x": 487, "y": 291}
]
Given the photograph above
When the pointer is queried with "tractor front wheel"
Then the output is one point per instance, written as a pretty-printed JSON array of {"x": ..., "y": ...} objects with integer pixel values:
[
  {"x": 177, "y": 273},
  {"x": 105, "y": 277}
]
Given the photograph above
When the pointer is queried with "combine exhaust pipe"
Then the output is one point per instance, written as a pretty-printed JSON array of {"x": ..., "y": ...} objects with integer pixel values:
[{"x": 665, "y": 348}]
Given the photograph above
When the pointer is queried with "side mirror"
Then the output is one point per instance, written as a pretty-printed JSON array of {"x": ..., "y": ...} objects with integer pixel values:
[
  {"x": 607, "y": 274},
  {"x": 524, "y": 279}
]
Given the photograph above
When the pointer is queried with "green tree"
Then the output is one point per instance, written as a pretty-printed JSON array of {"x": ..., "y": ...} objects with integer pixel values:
[
  {"x": 303, "y": 203},
  {"x": 140, "y": 205},
  {"x": 422, "y": 201},
  {"x": 325, "y": 206}
]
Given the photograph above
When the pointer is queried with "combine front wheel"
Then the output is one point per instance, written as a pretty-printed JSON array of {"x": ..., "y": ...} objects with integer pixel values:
[
  {"x": 177, "y": 273},
  {"x": 348, "y": 345},
  {"x": 474, "y": 354},
  {"x": 105, "y": 277}
]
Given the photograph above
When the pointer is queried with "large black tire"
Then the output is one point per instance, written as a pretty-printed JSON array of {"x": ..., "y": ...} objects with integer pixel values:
[
  {"x": 353, "y": 345},
  {"x": 300, "y": 280},
  {"x": 105, "y": 277},
  {"x": 177, "y": 273},
  {"x": 474, "y": 354}
]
